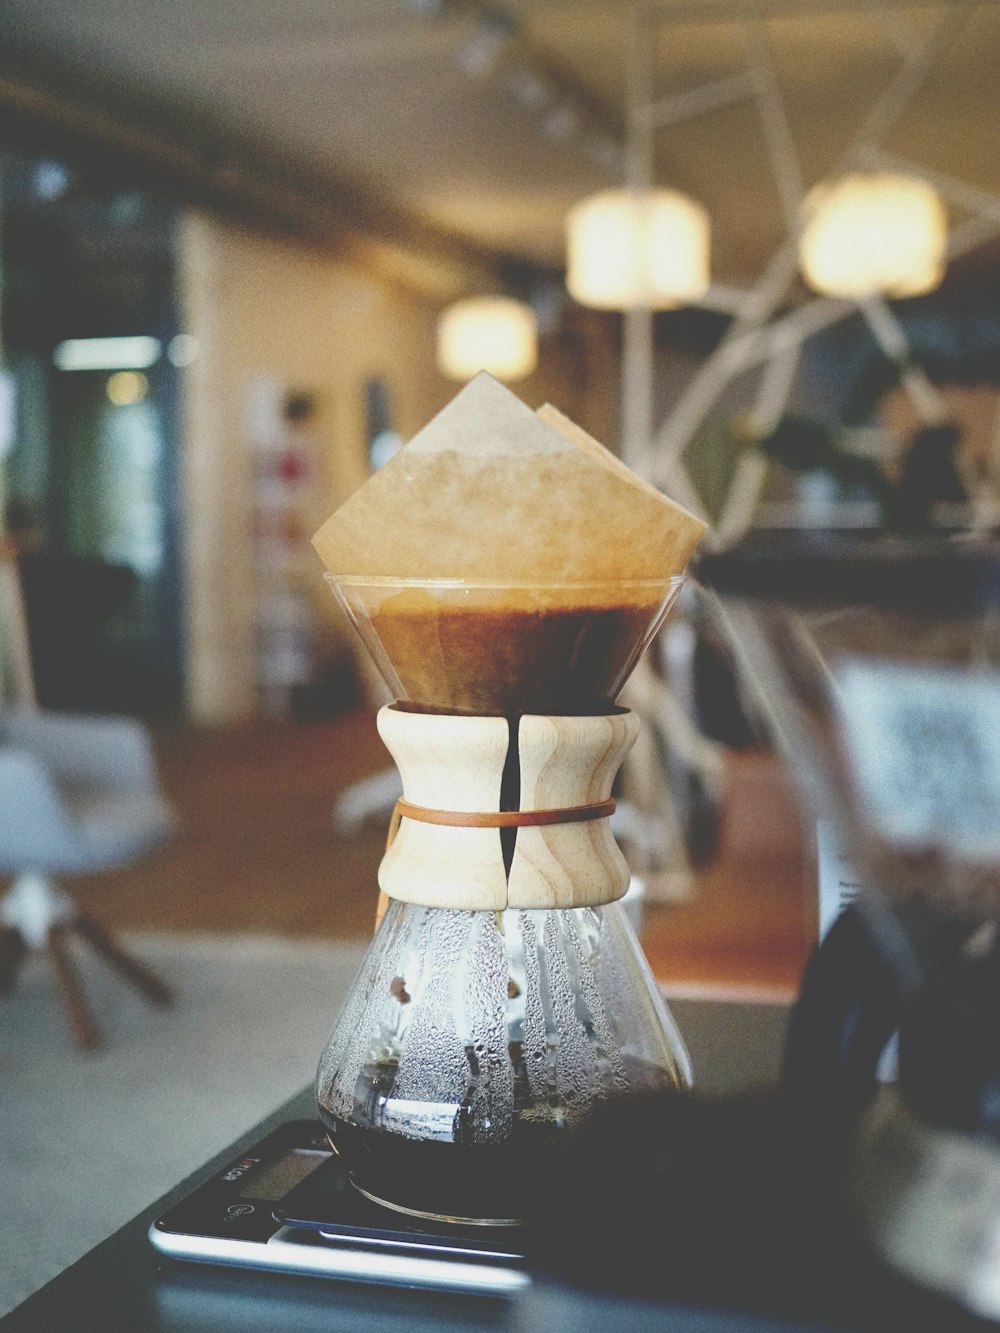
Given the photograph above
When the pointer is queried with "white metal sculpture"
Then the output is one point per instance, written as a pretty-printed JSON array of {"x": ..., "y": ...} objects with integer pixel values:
[{"x": 758, "y": 334}]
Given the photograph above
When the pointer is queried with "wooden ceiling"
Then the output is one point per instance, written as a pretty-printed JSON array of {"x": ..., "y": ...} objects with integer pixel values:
[{"x": 466, "y": 131}]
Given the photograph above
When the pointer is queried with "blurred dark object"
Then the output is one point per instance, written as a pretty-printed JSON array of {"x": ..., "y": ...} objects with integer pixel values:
[
  {"x": 299, "y": 406},
  {"x": 968, "y": 369},
  {"x": 13, "y": 951},
  {"x": 726, "y": 1206},
  {"x": 804, "y": 445},
  {"x": 702, "y": 821},
  {"x": 69, "y": 603},
  {"x": 720, "y": 709},
  {"x": 929, "y": 477},
  {"x": 696, "y": 1200},
  {"x": 929, "y": 486},
  {"x": 334, "y": 690},
  {"x": 930, "y": 574},
  {"x": 848, "y": 1008}
]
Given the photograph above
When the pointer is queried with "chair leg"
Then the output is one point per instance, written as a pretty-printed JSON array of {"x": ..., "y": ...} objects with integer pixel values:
[
  {"x": 85, "y": 1029},
  {"x": 12, "y": 952},
  {"x": 36, "y": 914},
  {"x": 145, "y": 981}
]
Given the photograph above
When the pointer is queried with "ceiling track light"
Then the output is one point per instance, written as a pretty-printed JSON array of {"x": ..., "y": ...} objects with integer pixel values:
[
  {"x": 482, "y": 49},
  {"x": 496, "y": 40},
  {"x": 530, "y": 89},
  {"x": 561, "y": 123}
]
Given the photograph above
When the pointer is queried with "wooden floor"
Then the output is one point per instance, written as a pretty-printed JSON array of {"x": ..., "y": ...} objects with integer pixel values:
[
  {"x": 258, "y": 852},
  {"x": 751, "y": 920}
]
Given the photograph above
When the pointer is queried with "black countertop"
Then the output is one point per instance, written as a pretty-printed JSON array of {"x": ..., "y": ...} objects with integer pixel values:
[{"x": 123, "y": 1284}]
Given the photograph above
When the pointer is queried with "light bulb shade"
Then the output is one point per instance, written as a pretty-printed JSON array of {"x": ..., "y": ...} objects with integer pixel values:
[
  {"x": 628, "y": 249},
  {"x": 872, "y": 232},
  {"x": 492, "y": 333}
]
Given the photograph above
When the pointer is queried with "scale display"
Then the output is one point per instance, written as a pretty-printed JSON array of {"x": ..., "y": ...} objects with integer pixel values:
[{"x": 287, "y": 1205}]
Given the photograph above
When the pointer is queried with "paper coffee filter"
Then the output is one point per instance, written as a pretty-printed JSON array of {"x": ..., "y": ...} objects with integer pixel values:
[{"x": 491, "y": 491}]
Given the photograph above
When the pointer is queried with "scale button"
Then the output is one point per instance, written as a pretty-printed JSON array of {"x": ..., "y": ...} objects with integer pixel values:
[{"x": 240, "y": 1210}]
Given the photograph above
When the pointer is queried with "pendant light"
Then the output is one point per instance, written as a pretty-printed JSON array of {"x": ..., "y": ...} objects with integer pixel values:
[
  {"x": 874, "y": 232},
  {"x": 493, "y": 333},
  {"x": 629, "y": 249}
]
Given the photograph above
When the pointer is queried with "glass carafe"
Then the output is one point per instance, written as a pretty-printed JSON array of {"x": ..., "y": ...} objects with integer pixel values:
[
  {"x": 474, "y": 1040},
  {"x": 505, "y": 991}
]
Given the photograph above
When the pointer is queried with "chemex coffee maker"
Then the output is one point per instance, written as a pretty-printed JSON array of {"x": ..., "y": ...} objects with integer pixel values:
[
  {"x": 505, "y": 573},
  {"x": 879, "y": 661}
]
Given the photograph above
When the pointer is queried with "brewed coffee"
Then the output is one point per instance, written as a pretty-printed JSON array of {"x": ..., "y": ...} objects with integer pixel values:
[
  {"x": 439, "y": 1168},
  {"x": 473, "y": 1042},
  {"x": 565, "y": 660},
  {"x": 494, "y": 650}
]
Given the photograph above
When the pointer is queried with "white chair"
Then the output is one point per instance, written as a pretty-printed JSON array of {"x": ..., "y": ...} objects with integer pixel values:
[{"x": 77, "y": 794}]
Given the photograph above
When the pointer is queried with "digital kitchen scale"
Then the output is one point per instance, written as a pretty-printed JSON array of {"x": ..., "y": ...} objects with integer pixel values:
[{"x": 288, "y": 1205}]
